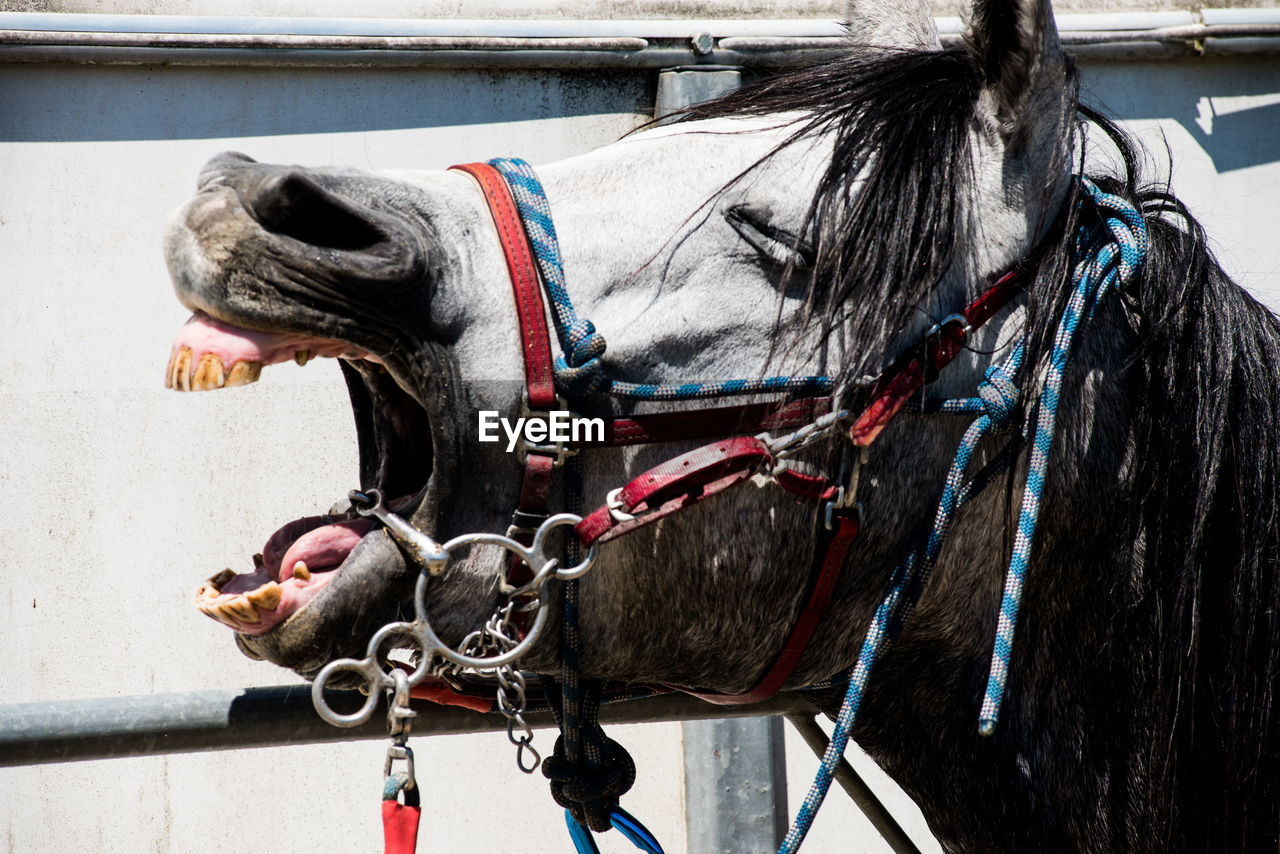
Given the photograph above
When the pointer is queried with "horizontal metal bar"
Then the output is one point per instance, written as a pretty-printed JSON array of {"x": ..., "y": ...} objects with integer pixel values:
[
  {"x": 19, "y": 46},
  {"x": 439, "y": 59},
  {"x": 657, "y": 28},
  {"x": 1181, "y": 33},
  {"x": 154, "y": 724},
  {"x": 289, "y": 41}
]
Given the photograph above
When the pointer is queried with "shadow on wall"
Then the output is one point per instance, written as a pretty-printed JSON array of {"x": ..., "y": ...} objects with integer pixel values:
[
  {"x": 120, "y": 103},
  {"x": 1230, "y": 107}
]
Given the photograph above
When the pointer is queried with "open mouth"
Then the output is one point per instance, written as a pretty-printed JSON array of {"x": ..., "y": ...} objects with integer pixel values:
[{"x": 304, "y": 556}]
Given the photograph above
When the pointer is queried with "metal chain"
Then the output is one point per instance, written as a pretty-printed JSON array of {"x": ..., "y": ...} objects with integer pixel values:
[
  {"x": 491, "y": 649},
  {"x": 496, "y": 637},
  {"x": 495, "y": 649}
]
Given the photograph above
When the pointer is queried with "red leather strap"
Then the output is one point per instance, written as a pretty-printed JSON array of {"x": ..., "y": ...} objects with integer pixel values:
[
  {"x": 824, "y": 578},
  {"x": 709, "y": 423},
  {"x": 805, "y": 485},
  {"x": 535, "y": 489},
  {"x": 678, "y": 482},
  {"x": 536, "y": 342},
  {"x": 435, "y": 690},
  {"x": 899, "y": 383}
]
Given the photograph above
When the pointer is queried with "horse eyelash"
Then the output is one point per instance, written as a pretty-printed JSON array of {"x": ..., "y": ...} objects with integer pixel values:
[{"x": 778, "y": 245}]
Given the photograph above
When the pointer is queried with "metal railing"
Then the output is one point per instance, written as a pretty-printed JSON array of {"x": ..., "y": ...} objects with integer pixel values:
[
  {"x": 559, "y": 44},
  {"x": 154, "y": 724}
]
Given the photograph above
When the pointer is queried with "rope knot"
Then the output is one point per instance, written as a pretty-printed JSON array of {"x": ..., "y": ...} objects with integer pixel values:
[
  {"x": 1114, "y": 261},
  {"x": 589, "y": 795},
  {"x": 580, "y": 371},
  {"x": 999, "y": 395}
]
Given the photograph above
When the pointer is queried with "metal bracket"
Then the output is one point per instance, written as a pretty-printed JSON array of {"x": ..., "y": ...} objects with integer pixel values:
[{"x": 559, "y": 450}]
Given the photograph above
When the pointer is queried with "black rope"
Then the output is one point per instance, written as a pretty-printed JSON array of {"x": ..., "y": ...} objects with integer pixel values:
[{"x": 589, "y": 772}]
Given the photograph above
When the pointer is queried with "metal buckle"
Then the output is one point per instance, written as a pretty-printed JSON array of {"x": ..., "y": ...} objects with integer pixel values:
[
  {"x": 614, "y": 502},
  {"x": 966, "y": 328},
  {"x": 838, "y": 505},
  {"x": 846, "y": 496},
  {"x": 559, "y": 450}
]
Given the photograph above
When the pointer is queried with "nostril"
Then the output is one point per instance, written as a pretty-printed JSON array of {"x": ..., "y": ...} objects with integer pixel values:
[{"x": 291, "y": 204}]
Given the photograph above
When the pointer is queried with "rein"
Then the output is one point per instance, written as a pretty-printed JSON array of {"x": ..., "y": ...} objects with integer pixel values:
[{"x": 589, "y": 771}]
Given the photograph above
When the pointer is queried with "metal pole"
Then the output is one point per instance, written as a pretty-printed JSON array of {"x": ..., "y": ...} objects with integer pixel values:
[
  {"x": 77, "y": 730},
  {"x": 855, "y": 787},
  {"x": 735, "y": 785},
  {"x": 683, "y": 87}
]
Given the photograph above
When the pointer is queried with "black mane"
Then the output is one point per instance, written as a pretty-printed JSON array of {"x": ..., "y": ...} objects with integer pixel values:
[
  {"x": 1206, "y": 580},
  {"x": 901, "y": 120},
  {"x": 1195, "y": 622}
]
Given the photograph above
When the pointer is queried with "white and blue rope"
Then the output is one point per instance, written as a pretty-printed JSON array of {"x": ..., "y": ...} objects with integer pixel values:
[
  {"x": 1114, "y": 253},
  {"x": 1110, "y": 255},
  {"x": 908, "y": 580}
]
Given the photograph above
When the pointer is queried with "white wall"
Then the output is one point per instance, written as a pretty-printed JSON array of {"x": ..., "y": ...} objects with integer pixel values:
[
  {"x": 124, "y": 495},
  {"x": 121, "y": 497}
]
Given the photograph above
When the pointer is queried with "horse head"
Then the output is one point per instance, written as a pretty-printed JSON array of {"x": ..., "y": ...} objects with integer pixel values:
[
  {"x": 689, "y": 245},
  {"x": 818, "y": 224}
]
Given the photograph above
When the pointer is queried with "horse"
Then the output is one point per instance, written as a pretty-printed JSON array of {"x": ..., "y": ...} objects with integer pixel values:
[{"x": 822, "y": 223}]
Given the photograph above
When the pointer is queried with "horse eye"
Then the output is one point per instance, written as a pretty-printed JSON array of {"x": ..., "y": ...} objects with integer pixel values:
[{"x": 776, "y": 244}]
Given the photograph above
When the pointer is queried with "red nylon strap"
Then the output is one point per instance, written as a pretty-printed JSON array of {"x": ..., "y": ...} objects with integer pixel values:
[
  {"x": 538, "y": 377},
  {"x": 675, "y": 484},
  {"x": 825, "y": 576},
  {"x": 896, "y": 387},
  {"x": 709, "y": 423},
  {"x": 400, "y": 827}
]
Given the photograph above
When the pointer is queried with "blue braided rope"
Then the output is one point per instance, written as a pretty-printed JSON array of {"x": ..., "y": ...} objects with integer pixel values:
[
  {"x": 578, "y": 369},
  {"x": 1107, "y": 266},
  {"x": 905, "y": 585},
  {"x": 1103, "y": 266}
]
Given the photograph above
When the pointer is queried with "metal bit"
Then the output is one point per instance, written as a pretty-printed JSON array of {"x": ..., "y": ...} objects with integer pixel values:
[{"x": 418, "y": 546}]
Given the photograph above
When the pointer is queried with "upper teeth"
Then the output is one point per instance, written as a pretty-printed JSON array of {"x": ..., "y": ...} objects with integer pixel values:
[{"x": 209, "y": 372}]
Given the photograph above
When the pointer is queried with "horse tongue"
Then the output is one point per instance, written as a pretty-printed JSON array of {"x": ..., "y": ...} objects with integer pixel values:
[
  {"x": 321, "y": 549},
  {"x": 282, "y": 582}
]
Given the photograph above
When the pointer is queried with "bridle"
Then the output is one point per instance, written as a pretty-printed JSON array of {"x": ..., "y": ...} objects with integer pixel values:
[
  {"x": 756, "y": 446},
  {"x": 696, "y": 475}
]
